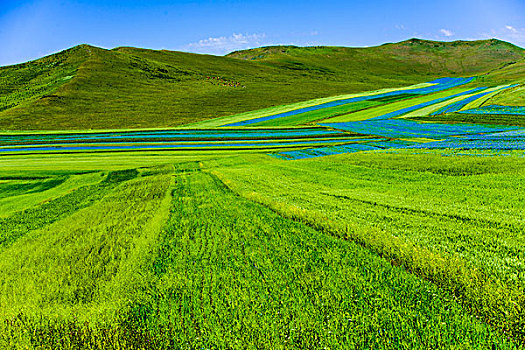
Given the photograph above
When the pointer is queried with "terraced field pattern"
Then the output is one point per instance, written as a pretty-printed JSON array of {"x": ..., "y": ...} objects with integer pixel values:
[{"x": 381, "y": 219}]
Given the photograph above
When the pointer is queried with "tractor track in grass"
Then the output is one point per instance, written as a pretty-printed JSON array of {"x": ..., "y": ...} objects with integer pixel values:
[
  {"x": 481, "y": 222},
  {"x": 20, "y": 223}
]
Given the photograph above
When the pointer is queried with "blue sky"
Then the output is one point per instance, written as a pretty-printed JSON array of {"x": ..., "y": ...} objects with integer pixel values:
[{"x": 31, "y": 29}]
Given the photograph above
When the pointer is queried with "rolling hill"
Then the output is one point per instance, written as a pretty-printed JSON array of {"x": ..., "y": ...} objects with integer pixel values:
[{"x": 87, "y": 87}]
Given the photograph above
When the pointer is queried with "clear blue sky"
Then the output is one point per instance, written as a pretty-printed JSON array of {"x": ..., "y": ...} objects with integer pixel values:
[{"x": 31, "y": 29}]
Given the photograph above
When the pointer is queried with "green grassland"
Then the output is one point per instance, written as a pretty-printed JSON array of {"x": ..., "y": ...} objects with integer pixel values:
[
  {"x": 168, "y": 256},
  {"x": 38, "y": 80},
  {"x": 230, "y": 248},
  {"x": 511, "y": 72},
  {"x": 454, "y": 221},
  {"x": 209, "y": 249},
  {"x": 453, "y": 58}
]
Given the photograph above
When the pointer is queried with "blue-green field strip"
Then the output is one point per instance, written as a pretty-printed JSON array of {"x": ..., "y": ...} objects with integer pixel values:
[
  {"x": 247, "y": 145},
  {"x": 172, "y": 140},
  {"x": 454, "y": 107},
  {"x": 172, "y": 135},
  {"x": 396, "y": 128},
  {"x": 406, "y": 110},
  {"x": 496, "y": 110},
  {"x": 505, "y": 141},
  {"x": 452, "y": 136},
  {"x": 381, "y": 132}
]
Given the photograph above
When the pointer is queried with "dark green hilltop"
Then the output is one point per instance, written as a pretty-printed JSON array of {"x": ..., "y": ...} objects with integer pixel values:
[{"x": 87, "y": 87}]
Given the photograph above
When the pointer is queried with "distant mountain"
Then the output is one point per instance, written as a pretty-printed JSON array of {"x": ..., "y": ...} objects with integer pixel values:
[{"x": 87, "y": 87}]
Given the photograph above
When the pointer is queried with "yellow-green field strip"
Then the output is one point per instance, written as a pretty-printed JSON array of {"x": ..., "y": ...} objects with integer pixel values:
[
  {"x": 392, "y": 107},
  {"x": 430, "y": 109},
  {"x": 217, "y": 122}
]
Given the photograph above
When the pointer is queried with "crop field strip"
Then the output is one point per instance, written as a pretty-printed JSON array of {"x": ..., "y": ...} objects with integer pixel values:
[
  {"x": 461, "y": 100},
  {"x": 333, "y": 141},
  {"x": 195, "y": 137},
  {"x": 240, "y": 139},
  {"x": 317, "y": 115},
  {"x": 373, "y": 145},
  {"x": 457, "y": 106},
  {"x": 483, "y": 119},
  {"x": 167, "y": 140},
  {"x": 205, "y": 134},
  {"x": 385, "y": 126},
  {"x": 43, "y": 189},
  {"x": 186, "y": 142},
  {"x": 406, "y": 110},
  {"x": 191, "y": 145},
  {"x": 495, "y": 95},
  {"x": 513, "y": 140},
  {"x": 22, "y": 222},
  {"x": 440, "y": 85},
  {"x": 174, "y": 140},
  {"x": 113, "y": 235},
  {"x": 397, "y": 128},
  {"x": 466, "y": 136},
  {"x": 401, "y": 108},
  {"x": 398, "y": 108},
  {"x": 496, "y": 110},
  {"x": 221, "y": 121}
]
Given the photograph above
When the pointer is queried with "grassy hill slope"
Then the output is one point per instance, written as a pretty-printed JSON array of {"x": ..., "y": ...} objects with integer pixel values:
[
  {"x": 410, "y": 57},
  {"x": 28, "y": 82},
  {"x": 92, "y": 88}
]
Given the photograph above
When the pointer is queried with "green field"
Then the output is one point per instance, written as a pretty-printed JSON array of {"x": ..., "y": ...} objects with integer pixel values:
[
  {"x": 207, "y": 254},
  {"x": 159, "y": 228}
]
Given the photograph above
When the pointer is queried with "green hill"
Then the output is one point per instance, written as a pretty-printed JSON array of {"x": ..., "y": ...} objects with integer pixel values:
[
  {"x": 414, "y": 56},
  {"x": 87, "y": 87}
]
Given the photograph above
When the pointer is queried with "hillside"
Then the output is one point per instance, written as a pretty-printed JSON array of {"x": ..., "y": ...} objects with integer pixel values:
[
  {"x": 92, "y": 88},
  {"x": 415, "y": 55}
]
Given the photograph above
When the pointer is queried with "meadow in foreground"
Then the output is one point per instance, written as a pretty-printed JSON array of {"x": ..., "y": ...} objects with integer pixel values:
[{"x": 238, "y": 251}]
